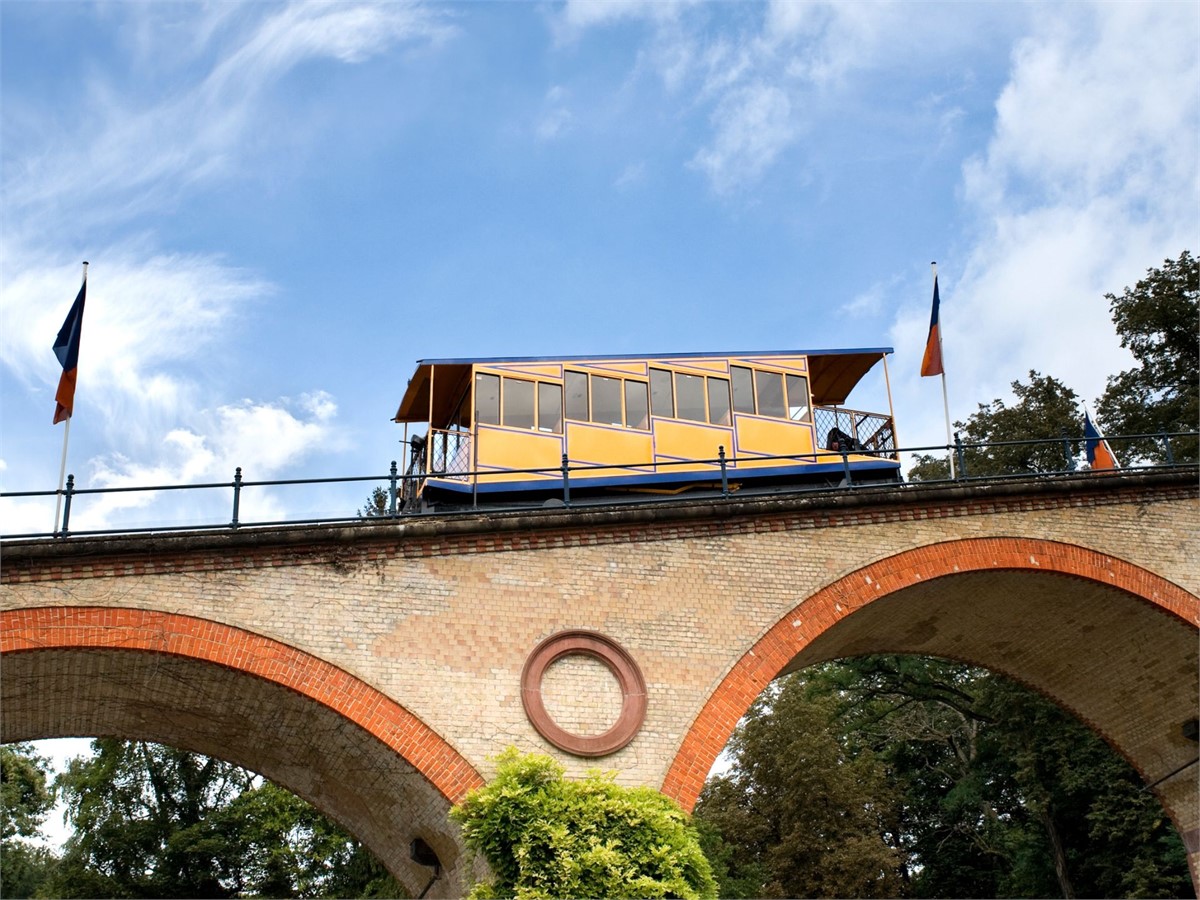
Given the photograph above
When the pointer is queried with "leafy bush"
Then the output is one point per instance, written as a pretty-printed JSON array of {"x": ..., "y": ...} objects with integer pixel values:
[{"x": 544, "y": 836}]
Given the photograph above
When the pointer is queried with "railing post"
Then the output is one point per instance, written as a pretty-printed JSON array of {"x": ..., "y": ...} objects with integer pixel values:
[
  {"x": 237, "y": 495},
  {"x": 724, "y": 472},
  {"x": 566, "y": 474},
  {"x": 1166, "y": 442},
  {"x": 392, "y": 490},
  {"x": 962, "y": 456},
  {"x": 70, "y": 491}
]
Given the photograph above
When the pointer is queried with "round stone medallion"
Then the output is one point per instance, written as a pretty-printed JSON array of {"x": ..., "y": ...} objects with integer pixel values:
[{"x": 620, "y": 664}]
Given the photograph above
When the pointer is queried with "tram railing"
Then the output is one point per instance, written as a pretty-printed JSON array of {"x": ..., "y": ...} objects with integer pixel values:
[
  {"x": 1045, "y": 457},
  {"x": 858, "y": 432}
]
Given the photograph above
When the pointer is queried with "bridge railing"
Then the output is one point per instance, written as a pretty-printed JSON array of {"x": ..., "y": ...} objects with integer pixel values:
[{"x": 1045, "y": 457}]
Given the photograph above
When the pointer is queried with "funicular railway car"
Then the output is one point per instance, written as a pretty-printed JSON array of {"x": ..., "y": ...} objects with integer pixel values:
[{"x": 500, "y": 430}]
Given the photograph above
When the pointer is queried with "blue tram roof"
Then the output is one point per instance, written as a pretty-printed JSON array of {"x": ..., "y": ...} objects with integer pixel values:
[{"x": 613, "y": 357}]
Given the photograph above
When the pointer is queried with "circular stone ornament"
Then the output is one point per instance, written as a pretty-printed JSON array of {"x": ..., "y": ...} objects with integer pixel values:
[{"x": 597, "y": 646}]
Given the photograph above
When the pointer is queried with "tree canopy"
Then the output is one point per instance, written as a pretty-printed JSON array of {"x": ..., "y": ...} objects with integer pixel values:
[
  {"x": 153, "y": 821},
  {"x": 25, "y": 798},
  {"x": 1158, "y": 320},
  {"x": 544, "y": 836},
  {"x": 799, "y": 814},
  {"x": 917, "y": 777},
  {"x": 1031, "y": 435}
]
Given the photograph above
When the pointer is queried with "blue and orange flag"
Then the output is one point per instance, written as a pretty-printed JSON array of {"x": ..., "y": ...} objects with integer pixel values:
[
  {"x": 66, "y": 348},
  {"x": 1099, "y": 454},
  {"x": 931, "y": 362}
]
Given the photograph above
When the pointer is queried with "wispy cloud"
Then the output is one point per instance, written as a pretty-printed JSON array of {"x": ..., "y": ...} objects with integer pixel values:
[
  {"x": 130, "y": 154},
  {"x": 125, "y": 154},
  {"x": 556, "y": 115},
  {"x": 752, "y": 125}
]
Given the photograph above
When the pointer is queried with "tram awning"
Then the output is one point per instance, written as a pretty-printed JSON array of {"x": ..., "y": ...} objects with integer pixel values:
[
  {"x": 831, "y": 377},
  {"x": 449, "y": 383}
]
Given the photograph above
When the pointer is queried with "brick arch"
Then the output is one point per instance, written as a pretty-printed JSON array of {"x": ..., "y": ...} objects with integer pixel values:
[
  {"x": 203, "y": 640},
  {"x": 783, "y": 642}
]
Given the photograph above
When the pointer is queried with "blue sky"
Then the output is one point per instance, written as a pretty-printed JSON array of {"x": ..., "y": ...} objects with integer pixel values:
[{"x": 285, "y": 205}]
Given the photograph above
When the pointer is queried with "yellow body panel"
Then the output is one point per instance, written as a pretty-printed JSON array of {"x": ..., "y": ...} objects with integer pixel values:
[
  {"x": 636, "y": 369},
  {"x": 589, "y": 444},
  {"x": 773, "y": 437},
  {"x": 553, "y": 370},
  {"x": 786, "y": 363},
  {"x": 510, "y": 448},
  {"x": 674, "y": 440},
  {"x": 710, "y": 367}
]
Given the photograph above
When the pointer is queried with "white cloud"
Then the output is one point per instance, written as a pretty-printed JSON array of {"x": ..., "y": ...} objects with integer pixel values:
[
  {"x": 631, "y": 176},
  {"x": 265, "y": 439},
  {"x": 1085, "y": 183},
  {"x": 576, "y": 16},
  {"x": 753, "y": 125},
  {"x": 145, "y": 316},
  {"x": 155, "y": 318},
  {"x": 130, "y": 154},
  {"x": 556, "y": 118},
  {"x": 1099, "y": 104},
  {"x": 1089, "y": 179}
]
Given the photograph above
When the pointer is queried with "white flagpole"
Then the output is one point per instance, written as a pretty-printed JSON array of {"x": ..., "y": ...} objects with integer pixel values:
[
  {"x": 62, "y": 469},
  {"x": 945, "y": 400}
]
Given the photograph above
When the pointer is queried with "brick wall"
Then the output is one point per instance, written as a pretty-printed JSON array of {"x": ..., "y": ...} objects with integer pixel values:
[{"x": 1083, "y": 588}]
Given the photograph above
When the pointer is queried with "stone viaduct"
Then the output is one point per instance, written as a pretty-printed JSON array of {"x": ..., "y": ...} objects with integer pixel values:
[{"x": 375, "y": 668}]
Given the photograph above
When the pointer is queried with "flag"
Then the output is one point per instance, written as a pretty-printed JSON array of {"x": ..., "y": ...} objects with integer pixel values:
[
  {"x": 66, "y": 348},
  {"x": 1099, "y": 454},
  {"x": 931, "y": 363}
]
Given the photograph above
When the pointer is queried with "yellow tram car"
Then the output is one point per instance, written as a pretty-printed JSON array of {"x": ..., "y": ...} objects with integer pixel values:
[{"x": 501, "y": 430}]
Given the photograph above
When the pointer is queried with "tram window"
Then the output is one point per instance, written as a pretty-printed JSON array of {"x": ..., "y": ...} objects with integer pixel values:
[
  {"x": 718, "y": 401},
  {"x": 549, "y": 407},
  {"x": 518, "y": 403},
  {"x": 662, "y": 400},
  {"x": 606, "y": 400},
  {"x": 637, "y": 415},
  {"x": 797, "y": 393},
  {"x": 689, "y": 389},
  {"x": 577, "y": 395},
  {"x": 769, "y": 392},
  {"x": 487, "y": 399},
  {"x": 743, "y": 389}
]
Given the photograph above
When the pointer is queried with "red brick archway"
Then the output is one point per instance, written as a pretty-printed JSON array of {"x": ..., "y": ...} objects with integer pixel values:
[
  {"x": 769, "y": 657},
  {"x": 187, "y": 637}
]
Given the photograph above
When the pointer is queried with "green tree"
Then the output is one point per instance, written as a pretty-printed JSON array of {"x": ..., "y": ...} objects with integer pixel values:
[
  {"x": 377, "y": 504},
  {"x": 800, "y": 814},
  {"x": 25, "y": 798},
  {"x": 544, "y": 836},
  {"x": 990, "y": 790},
  {"x": 1157, "y": 320},
  {"x": 1022, "y": 438},
  {"x": 152, "y": 821}
]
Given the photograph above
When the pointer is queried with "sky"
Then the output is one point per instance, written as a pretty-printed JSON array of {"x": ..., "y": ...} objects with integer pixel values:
[{"x": 285, "y": 205}]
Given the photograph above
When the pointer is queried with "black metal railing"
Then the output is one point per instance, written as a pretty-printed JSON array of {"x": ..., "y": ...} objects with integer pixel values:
[
  {"x": 1044, "y": 457},
  {"x": 858, "y": 432}
]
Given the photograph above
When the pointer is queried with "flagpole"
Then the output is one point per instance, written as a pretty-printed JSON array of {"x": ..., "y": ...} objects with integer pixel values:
[
  {"x": 945, "y": 398},
  {"x": 62, "y": 469}
]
